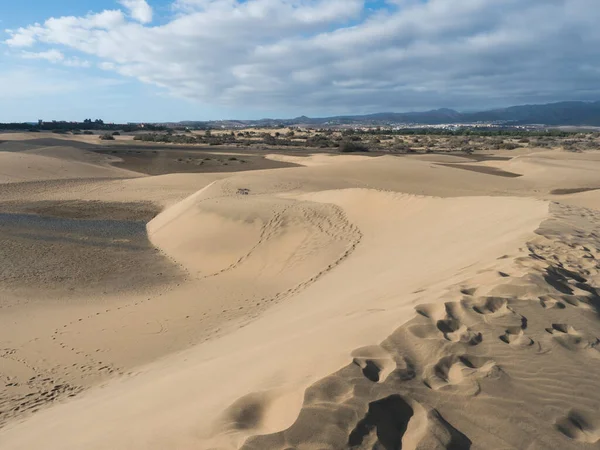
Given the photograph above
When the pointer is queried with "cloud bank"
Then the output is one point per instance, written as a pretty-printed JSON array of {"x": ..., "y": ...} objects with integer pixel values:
[{"x": 339, "y": 55}]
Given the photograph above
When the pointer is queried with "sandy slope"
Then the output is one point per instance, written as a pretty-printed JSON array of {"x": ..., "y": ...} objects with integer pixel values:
[
  {"x": 496, "y": 364},
  {"x": 551, "y": 167},
  {"x": 35, "y": 165},
  {"x": 79, "y": 138},
  {"x": 317, "y": 159},
  {"x": 294, "y": 325}
]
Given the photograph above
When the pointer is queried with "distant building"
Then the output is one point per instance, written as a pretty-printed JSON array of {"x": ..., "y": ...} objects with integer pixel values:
[{"x": 40, "y": 122}]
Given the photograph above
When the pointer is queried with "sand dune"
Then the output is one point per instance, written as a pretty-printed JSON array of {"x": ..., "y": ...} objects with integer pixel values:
[
  {"x": 317, "y": 159},
  {"x": 30, "y": 166},
  {"x": 391, "y": 253},
  {"x": 353, "y": 303},
  {"x": 546, "y": 168}
]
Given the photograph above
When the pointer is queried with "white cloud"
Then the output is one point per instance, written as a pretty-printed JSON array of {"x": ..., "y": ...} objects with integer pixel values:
[
  {"x": 23, "y": 37},
  {"x": 65, "y": 30},
  {"x": 139, "y": 10},
  {"x": 337, "y": 54},
  {"x": 107, "y": 66},
  {"x": 50, "y": 55},
  {"x": 55, "y": 56},
  {"x": 76, "y": 62}
]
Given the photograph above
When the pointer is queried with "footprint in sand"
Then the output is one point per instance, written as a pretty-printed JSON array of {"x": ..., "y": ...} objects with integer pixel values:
[
  {"x": 497, "y": 311},
  {"x": 454, "y": 331},
  {"x": 396, "y": 423},
  {"x": 445, "y": 318},
  {"x": 460, "y": 373},
  {"x": 550, "y": 302},
  {"x": 516, "y": 337},
  {"x": 580, "y": 301},
  {"x": 580, "y": 426},
  {"x": 468, "y": 291},
  {"x": 497, "y": 306},
  {"x": 571, "y": 339},
  {"x": 376, "y": 363}
]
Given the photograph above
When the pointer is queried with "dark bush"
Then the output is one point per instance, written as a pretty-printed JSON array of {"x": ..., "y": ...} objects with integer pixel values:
[
  {"x": 116, "y": 133},
  {"x": 107, "y": 137},
  {"x": 351, "y": 147}
]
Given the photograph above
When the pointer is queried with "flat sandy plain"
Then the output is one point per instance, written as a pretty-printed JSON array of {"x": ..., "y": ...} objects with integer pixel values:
[{"x": 156, "y": 298}]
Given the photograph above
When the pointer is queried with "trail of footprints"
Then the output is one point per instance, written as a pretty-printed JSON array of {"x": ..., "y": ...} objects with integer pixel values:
[
  {"x": 334, "y": 224},
  {"x": 573, "y": 340},
  {"x": 328, "y": 219},
  {"x": 48, "y": 385},
  {"x": 387, "y": 396}
]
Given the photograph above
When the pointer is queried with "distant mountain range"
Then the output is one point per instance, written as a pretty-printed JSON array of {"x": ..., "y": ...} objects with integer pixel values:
[{"x": 554, "y": 114}]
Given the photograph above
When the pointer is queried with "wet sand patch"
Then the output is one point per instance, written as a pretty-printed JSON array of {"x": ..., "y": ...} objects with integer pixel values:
[
  {"x": 80, "y": 247},
  {"x": 164, "y": 160},
  {"x": 82, "y": 209}
]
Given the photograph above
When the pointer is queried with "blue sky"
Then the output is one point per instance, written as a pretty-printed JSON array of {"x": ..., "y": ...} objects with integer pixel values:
[
  {"x": 162, "y": 60},
  {"x": 110, "y": 95}
]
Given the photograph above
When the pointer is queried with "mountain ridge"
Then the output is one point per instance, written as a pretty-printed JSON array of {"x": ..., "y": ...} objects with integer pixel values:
[{"x": 573, "y": 113}]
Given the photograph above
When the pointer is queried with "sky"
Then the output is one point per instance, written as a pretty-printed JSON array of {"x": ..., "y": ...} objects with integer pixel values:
[{"x": 172, "y": 60}]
